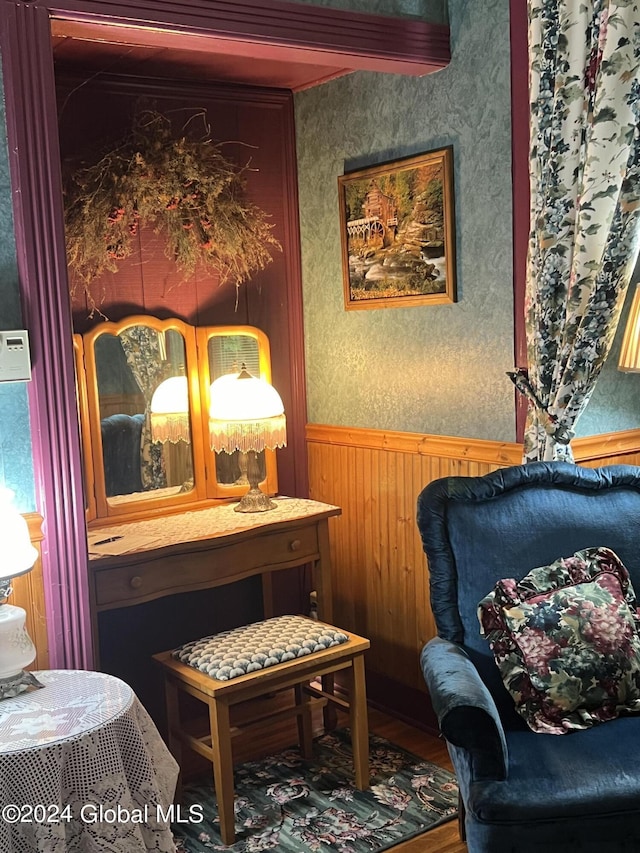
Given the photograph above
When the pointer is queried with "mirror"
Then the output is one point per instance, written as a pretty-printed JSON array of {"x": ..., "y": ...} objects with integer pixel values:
[
  {"x": 227, "y": 350},
  {"x": 146, "y": 437},
  {"x": 143, "y": 403}
]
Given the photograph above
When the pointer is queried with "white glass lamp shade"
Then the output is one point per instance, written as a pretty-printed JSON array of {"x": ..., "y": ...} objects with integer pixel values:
[
  {"x": 18, "y": 557},
  {"x": 245, "y": 413},
  {"x": 170, "y": 410},
  {"x": 242, "y": 397},
  {"x": 630, "y": 353},
  {"x": 18, "y": 554}
]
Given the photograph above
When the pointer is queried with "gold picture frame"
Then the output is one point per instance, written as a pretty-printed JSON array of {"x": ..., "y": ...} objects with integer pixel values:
[{"x": 397, "y": 225}]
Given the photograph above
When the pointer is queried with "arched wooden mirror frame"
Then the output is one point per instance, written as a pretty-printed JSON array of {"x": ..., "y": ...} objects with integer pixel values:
[{"x": 200, "y": 369}]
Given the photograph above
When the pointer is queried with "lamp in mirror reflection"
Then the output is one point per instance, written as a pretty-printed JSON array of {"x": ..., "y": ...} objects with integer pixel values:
[
  {"x": 629, "y": 361},
  {"x": 246, "y": 414},
  {"x": 18, "y": 556},
  {"x": 170, "y": 411}
]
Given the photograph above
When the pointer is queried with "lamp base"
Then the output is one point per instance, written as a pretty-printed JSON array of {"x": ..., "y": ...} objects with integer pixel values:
[
  {"x": 16, "y": 652},
  {"x": 255, "y": 501},
  {"x": 17, "y": 684}
]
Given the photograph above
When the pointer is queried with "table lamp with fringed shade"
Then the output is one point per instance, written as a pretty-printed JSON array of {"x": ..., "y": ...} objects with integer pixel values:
[
  {"x": 629, "y": 361},
  {"x": 246, "y": 414},
  {"x": 170, "y": 411},
  {"x": 18, "y": 556}
]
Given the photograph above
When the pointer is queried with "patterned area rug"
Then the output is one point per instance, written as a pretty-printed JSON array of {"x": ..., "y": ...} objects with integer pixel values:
[{"x": 287, "y": 804}]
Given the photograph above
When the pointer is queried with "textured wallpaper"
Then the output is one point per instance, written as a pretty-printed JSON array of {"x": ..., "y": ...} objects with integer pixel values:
[
  {"x": 434, "y": 11},
  {"x": 439, "y": 368},
  {"x": 16, "y": 466}
]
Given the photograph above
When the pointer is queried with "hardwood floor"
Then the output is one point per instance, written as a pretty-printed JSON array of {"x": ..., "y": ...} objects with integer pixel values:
[{"x": 442, "y": 839}]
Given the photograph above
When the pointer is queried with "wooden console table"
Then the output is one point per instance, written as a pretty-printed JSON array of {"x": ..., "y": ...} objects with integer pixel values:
[{"x": 135, "y": 562}]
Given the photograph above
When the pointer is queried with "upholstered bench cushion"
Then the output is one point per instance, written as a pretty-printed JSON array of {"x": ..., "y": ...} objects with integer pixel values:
[{"x": 231, "y": 654}]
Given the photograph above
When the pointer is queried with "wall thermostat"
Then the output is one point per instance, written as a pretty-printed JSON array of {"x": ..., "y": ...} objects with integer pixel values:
[{"x": 15, "y": 359}]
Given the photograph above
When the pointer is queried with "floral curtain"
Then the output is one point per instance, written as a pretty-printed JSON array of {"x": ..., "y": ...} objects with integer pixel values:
[
  {"x": 142, "y": 349},
  {"x": 584, "y": 62}
]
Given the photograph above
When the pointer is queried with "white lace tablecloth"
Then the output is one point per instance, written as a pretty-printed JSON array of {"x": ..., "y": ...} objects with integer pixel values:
[{"x": 83, "y": 769}]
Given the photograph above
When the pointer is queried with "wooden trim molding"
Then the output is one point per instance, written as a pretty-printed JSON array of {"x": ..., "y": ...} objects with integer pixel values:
[
  {"x": 28, "y": 593},
  {"x": 448, "y": 447},
  {"x": 297, "y": 372},
  {"x": 520, "y": 176},
  {"x": 271, "y": 29},
  {"x": 34, "y": 160},
  {"x": 609, "y": 448},
  {"x": 602, "y": 448}
]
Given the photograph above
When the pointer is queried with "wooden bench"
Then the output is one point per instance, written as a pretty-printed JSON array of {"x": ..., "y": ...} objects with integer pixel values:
[{"x": 235, "y": 685}]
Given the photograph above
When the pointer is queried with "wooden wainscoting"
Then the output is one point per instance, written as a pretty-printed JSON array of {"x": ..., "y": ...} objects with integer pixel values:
[
  {"x": 28, "y": 592},
  {"x": 380, "y": 581}
]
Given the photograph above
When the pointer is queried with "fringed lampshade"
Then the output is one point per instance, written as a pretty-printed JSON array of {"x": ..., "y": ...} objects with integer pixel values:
[
  {"x": 170, "y": 411},
  {"x": 246, "y": 414},
  {"x": 630, "y": 353}
]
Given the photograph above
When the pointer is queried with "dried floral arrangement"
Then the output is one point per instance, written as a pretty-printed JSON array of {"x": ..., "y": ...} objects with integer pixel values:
[{"x": 185, "y": 188}]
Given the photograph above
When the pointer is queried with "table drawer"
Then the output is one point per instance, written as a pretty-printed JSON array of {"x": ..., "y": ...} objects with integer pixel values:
[
  {"x": 297, "y": 544},
  {"x": 202, "y": 567}
]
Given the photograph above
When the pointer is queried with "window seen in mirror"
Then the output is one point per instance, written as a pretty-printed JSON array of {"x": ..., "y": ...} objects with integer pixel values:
[{"x": 228, "y": 354}]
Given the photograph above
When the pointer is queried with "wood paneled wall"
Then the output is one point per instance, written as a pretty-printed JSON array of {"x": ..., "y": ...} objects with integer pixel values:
[
  {"x": 380, "y": 583},
  {"x": 380, "y": 578},
  {"x": 28, "y": 592}
]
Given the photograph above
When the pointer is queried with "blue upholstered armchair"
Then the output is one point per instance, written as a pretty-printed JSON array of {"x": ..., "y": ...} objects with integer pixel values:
[
  {"x": 121, "y": 453},
  {"x": 522, "y": 790}
]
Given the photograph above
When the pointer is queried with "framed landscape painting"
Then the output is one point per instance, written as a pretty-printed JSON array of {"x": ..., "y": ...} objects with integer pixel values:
[{"x": 398, "y": 232}]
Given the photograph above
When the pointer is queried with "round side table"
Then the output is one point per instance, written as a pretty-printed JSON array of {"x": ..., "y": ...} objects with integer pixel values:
[{"x": 82, "y": 767}]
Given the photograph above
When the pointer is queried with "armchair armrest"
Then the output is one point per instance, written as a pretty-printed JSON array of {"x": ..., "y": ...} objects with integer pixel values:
[{"x": 465, "y": 709}]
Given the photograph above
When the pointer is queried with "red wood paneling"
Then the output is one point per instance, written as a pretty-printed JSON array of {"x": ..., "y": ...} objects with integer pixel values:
[{"x": 257, "y": 125}]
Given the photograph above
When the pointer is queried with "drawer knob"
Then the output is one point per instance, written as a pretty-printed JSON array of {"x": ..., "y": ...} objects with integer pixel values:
[
  {"x": 135, "y": 582},
  {"x": 294, "y": 545}
]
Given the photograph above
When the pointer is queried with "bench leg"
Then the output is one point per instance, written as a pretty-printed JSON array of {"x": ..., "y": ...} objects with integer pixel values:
[
  {"x": 222, "y": 768},
  {"x": 329, "y": 713},
  {"x": 305, "y": 721},
  {"x": 359, "y": 722}
]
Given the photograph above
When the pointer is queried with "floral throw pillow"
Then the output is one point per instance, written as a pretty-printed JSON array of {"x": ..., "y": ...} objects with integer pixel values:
[{"x": 566, "y": 639}]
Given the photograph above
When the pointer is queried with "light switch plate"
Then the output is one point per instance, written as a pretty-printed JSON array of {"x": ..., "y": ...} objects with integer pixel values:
[{"x": 15, "y": 359}]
